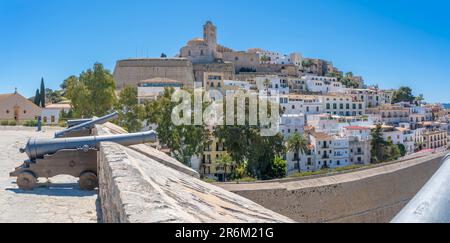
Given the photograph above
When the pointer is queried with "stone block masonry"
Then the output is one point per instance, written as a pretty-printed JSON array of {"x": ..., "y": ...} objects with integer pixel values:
[
  {"x": 372, "y": 195},
  {"x": 135, "y": 187}
]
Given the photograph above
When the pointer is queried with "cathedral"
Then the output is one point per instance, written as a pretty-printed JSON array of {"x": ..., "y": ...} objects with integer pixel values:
[{"x": 204, "y": 50}]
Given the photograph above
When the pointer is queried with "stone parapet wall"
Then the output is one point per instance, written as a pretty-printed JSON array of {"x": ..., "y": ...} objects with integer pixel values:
[
  {"x": 373, "y": 195},
  {"x": 132, "y": 71},
  {"x": 135, "y": 188}
]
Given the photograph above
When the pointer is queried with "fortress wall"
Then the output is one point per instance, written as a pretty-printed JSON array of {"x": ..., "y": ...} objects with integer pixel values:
[
  {"x": 226, "y": 68},
  {"x": 242, "y": 60},
  {"x": 374, "y": 195},
  {"x": 135, "y": 188},
  {"x": 132, "y": 71}
]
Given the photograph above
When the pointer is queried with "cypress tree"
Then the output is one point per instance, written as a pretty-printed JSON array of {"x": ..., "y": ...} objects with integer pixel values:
[
  {"x": 42, "y": 93},
  {"x": 37, "y": 98}
]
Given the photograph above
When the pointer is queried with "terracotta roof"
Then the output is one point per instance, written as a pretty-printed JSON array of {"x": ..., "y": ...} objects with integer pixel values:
[
  {"x": 357, "y": 128},
  {"x": 5, "y": 96},
  {"x": 58, "y": 106},
  {"x": 160, "y": 81},
  {"x": 321, "y": 136}
]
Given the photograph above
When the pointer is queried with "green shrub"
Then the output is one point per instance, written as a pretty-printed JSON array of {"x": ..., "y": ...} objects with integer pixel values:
[
  {"x": 247, "y": 179},
  {"x": 30, "y": 123},
  {"x": 327, "y": 171},
  {"x": 4, "y": 123},
  {"x": 12, "y": 123},
  {"x": 209, "y": 180},
  {"x": 309, "y": 173},
  {"x": 62, "y": 123},
  {"x": 346, "y": 168}
]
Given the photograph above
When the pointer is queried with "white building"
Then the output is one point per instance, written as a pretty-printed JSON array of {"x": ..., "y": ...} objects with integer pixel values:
[
  {"x": 323, "y": 85},
  {"x": 323, "y": 123},
  {"x": 51, "y": 113},
  {"x": 232, "y": 85},
  {"x": 272, "y": 84},
  {"x": 359, "y": 144},
  {"x": 420, "y": 114},
  {"x": 276, "y": 58},
  {"x": 291, "y": 124},
  {"x": 342, "y": 105},
  {"x": 152, "y": 88},
  {"x": 370, "y": 97},
  {"x": 301, "y": 104}
]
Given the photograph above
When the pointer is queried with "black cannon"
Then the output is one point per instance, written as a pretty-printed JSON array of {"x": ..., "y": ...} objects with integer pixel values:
[
  {"x": 82, "y": 127},
  {"x": 76, "y": 122},
  {"x": 69, "y": 156}
]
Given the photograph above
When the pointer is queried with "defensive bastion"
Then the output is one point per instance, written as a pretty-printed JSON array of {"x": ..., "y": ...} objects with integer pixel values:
[
  {"x": 141, "y": 184},
  {"x": 373, "y": 195}
]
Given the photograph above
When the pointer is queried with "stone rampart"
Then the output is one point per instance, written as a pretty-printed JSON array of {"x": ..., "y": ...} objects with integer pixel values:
[{"x": 373, "y": 195}]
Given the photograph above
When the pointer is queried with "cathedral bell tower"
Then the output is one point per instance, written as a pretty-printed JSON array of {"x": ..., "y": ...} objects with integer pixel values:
[{"x": 210, "y": 35}]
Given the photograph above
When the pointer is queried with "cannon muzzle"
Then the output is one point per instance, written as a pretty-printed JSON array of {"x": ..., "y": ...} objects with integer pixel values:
[
  {"x": 87, "y": 125},
  {"x": 76, "y": 122},
  {"x": 37, "y": 148}
]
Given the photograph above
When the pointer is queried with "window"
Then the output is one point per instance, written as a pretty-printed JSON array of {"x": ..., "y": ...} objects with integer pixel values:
[
  {"x": 24, "y": 112},
  {"x": 52, "y": 119},
  {"x": 7, "y": 111},
  {"x": 236, "y": 58}
]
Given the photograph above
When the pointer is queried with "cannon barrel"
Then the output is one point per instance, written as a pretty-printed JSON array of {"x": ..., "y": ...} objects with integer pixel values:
[
  {"x": 76, "y": 122},
  {"x": 37, "y": 148},
  {"x": 88, "y": 125}
]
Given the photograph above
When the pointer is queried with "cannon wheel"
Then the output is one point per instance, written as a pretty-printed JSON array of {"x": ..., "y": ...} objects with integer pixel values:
[
  {"x": 26, "y": 181},
  {"x": 88, "y": 181}
]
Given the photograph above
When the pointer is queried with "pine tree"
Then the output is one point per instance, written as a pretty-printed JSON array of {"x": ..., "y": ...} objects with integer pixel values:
[
  {"x": 42, "y": 94},
  {"x": 378, "y": 144}
]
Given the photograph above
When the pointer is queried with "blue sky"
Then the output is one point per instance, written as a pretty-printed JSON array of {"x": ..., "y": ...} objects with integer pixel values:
[{"x": 389, "y": 42}]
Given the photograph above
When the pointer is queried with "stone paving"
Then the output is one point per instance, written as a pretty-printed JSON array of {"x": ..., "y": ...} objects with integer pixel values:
[{"x": 56, "y": 201}]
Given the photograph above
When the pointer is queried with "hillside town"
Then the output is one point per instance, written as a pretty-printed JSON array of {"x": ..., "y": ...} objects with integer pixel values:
[{"x": 329, "y": 119}]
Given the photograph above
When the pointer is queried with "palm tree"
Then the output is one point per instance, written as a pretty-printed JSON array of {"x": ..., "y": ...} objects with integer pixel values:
[
  {"x": 298, "y": 143},
  {"x": 224, "y": 161}
]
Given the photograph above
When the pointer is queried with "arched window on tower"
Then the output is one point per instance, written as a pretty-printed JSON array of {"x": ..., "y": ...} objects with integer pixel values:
[
  {"x": 201, "y": 53},
  {"x": 189, "y": 53}
]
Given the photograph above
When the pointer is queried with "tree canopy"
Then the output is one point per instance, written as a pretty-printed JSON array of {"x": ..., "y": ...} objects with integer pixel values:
[
  {"x": 403, "y": 94},
  {"x": 383, "y": 151},
  {"x": 298, "y": 144},
  {"x": 92, "y": 93},
  {"x": 184, "y": 141},
  {"x": 130, "y": 111},
  {"x": 42, "y": 94}
]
